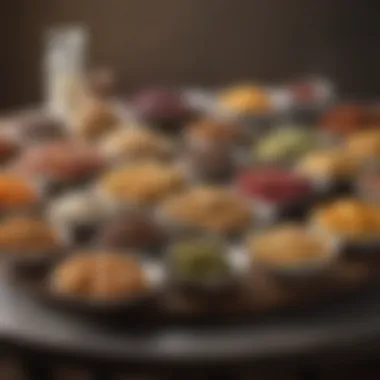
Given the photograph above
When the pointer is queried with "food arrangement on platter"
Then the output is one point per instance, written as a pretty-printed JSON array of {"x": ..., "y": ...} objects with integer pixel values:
[{"x": 263, "y": 199}]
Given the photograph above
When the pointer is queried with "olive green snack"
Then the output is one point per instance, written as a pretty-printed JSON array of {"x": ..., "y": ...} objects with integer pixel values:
[
  {"x": 199, "y": 261},
  {"x": 285, "y": 143}
]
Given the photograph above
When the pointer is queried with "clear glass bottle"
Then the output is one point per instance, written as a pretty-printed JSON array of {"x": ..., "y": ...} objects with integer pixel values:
[{"x": 64, "y": 68}]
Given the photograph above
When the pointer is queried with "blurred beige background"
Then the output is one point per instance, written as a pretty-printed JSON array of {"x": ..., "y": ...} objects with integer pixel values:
[{"x": 199, "y": 41}]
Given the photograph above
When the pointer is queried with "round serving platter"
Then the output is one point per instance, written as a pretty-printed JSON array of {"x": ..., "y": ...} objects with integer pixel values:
[
  {"x": 260, "y": 295},
  {"x": 331, "y": 327},
  {"x": 268, "y": 316}
]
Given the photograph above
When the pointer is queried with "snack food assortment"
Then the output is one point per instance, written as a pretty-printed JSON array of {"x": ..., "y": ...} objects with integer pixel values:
[
  {"x": 329, "y": 164},
  {"x": 136, "y": 143},
  {"x": 349, "y": 218},
  {"x": 16, "y": 192},
  {"x": 215, "y": 163},
  {"x": 364, "y": 146},
  {"x": 64, "y": 161},
  {"x": 140, "y": 184},
  {"x": 39, "y": 126},
  {"x": 94, "y": 119},
  {"x": 99, "y": 275},
  {"x": 346, "y": 118},
  {"x": 27, "y": 236},
  {"x": 198, "y": 261},
  {"x": 164, "y": 109},
  {"x": 208, "y": 209},
  {"x": 9, "y": 148},
  {"x": 133, "y": 230},
  {"x": 180, "y": 190},
  {"x": 290, "y": 247},
  {"x": 286, "y": 143},
  {"x": 247, "y": 99},
  {"x": 215, "y": 132},
  {"x": 274, "y": 185}
]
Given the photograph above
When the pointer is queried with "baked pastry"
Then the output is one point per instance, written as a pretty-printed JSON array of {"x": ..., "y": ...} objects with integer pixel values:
[
  {"x": 246, "y": 99},
  {"x": 143, "y": 183},
  {"x": 212, "y": 209},
  {"x": 349, "y": 218},
  {"x": 328, "y": 164},
  {"x": 136, "y": 144},
  {"x": 95, "y": 119},
  {"x": 26, "y": 236},
  {"x": 288, "y": 246},
  {"x": 100, "y": 276}
]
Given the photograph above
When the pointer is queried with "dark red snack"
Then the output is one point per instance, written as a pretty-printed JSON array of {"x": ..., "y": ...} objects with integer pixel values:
[
  {"x": 345, "y": 118},
  {"x": 133, "y": 231},
  {"x": 274, "y": 185},
  {"x": 163, "y": 108},
  {"x": 8, "y": 148},
  {"x": 67, "y": 161}
]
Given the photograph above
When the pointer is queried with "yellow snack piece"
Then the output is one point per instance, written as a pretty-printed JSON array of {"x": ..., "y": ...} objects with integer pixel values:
[
  {"x": 287, "y": 246},
  {"x": 364, "y": 145},
  {"x": 328, "y": 164},
  {"x": 349, "y": 218},
  {"x": 99, "y": 276},
  {"x": 209, "y": 208},
  {"x": 247, "y": 99},
  {"x": 143, "y": 183}
]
